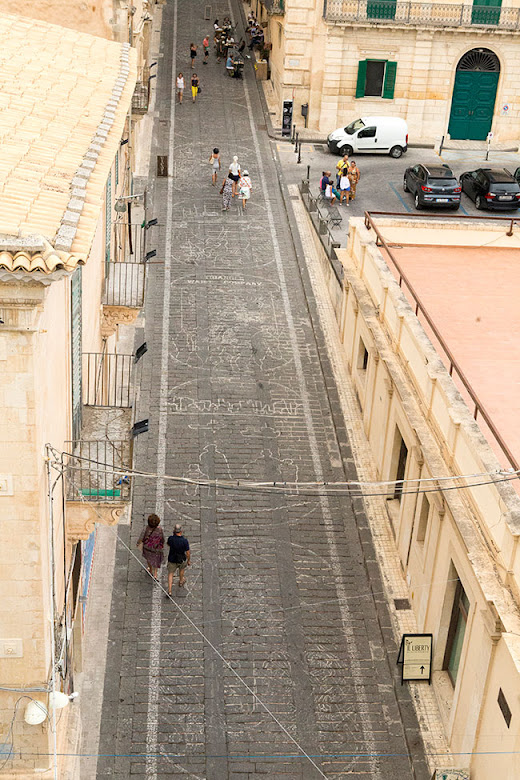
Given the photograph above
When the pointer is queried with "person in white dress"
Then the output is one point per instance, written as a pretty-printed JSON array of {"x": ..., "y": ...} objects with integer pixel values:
[
  {"x": 245, "y": 188},
  {"x": 180, "y": 86}
]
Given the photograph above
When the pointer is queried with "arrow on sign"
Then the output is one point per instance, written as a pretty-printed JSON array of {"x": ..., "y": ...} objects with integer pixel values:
[{"x": 422, "y": 669}]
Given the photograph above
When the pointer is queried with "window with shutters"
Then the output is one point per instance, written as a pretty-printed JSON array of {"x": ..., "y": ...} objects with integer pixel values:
[
  {"x": 117, "y": 167},
  {"x": 108, "y": 221},
  {"x": 456, "y": 632},
  {"x": 376, "y": 78},
  {"x": 75, "y": 319}
]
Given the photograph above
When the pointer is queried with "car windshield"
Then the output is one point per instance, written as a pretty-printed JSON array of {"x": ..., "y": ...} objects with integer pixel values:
[
  {"x": 354, "y": 126},
  {"x": 443, "y": 182}
]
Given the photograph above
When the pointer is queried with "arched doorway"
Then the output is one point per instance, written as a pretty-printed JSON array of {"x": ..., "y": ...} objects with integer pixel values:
[{"x": 474, "y": 95}]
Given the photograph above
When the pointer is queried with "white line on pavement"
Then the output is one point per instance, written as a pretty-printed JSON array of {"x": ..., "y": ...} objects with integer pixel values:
[
  {"x": 338, "y": 573},
  {"x": 155, "y": 620}
]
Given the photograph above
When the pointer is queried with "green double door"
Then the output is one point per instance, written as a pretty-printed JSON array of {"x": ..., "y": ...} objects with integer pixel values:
[
  {"x": 486, "y": 12},
  {"x": 472, "y": 105}
]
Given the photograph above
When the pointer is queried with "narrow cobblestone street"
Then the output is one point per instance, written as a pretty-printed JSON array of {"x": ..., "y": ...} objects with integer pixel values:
[{"x": 278, "y": 660}]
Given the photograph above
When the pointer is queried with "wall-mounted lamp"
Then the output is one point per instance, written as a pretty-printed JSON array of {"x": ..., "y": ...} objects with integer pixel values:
[{"x": 121, "y": 203}]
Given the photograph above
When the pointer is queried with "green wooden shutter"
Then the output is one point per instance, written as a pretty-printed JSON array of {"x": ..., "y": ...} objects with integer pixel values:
[
  {"x": 389, "y": 85},
  {"x": 75, "y": 321},
  {"x": 361, "y": 78},
  {"x": 117, "y": 167},
  {"x": 108, "y": 221}
]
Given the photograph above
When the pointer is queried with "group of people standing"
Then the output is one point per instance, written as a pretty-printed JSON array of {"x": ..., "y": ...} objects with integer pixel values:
[
  {"x": 236, "y": 184},
  {"x": 347, "y": 179},
  {"x": 151, "y": 544}
]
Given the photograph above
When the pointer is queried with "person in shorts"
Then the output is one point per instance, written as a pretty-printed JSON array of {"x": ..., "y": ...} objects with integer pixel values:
[{"x": 178, "y": 558}]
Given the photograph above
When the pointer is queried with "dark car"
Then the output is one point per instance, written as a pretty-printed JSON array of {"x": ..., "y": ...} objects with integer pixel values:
[
  {"x": 432, "y": 185},
  {"x": 491, "y": 188}
]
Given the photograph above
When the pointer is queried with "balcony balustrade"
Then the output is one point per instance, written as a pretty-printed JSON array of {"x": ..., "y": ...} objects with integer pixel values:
[
  {"x": 421, "y": 14},
  {"x": 107, "y": 379}
]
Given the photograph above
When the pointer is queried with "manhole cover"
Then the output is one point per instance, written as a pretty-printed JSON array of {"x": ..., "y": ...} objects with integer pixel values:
[
  {"x": 402, "y": 604},
  {"x": 261, "y": 127}
]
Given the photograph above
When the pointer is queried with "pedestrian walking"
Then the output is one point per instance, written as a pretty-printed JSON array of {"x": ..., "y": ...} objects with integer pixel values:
[
  {"x": 215, "y": 165},
  {"x": 151, "y": 544},
  {"x": 245, "y": 188},
  {"x": 180, "y": 87},
  {"x": 354, "y": 175},
  {"x": 227, "y": 192},
  {"x": 205, "y": 44},
  {"x": 234, "y": 173},
  {"x": 195, "y": 86},
  {"x": 193, "y": 54},
  {"x": 344, "y": 187},
  {"x": 341, "y": 166},
  {"x": 178, "y": 558}
]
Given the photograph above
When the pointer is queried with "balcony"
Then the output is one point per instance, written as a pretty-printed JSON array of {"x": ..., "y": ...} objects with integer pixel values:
[
  {"x": 412, "y": 14},
  {"x": 107, "y": 380},
  {"x": 123, "y": 295},
  {"x": 98, "y": 490},
  {"x": 141, "y": 96}
]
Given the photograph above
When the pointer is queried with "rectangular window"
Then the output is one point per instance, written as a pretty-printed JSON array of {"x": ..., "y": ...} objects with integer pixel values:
[
  {"x": 423, "y": 520},
  {"x": 362, "y": 361},
  {"x": 504, "y": 707},
  {"x": 376, "y": 78},
  {"x": 399, "y": 458},
  {"x": 456, "y": 631}
]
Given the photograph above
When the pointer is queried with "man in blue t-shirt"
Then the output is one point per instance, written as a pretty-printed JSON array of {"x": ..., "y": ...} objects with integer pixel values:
[{"x": 178, "y": 557}]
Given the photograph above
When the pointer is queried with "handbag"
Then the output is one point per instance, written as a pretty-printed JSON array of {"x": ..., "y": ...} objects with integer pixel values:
[{"x": 199, "y": 90}]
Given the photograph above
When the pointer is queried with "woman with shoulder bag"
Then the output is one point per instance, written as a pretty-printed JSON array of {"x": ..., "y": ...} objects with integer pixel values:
[{"x": 151, "y": 543}]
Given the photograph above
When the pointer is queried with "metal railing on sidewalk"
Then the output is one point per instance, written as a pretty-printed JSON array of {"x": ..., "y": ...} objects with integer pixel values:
[{"x": 320, "y": 218}]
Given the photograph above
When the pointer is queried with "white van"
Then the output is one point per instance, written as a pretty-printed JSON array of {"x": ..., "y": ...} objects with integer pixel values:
[{"x": 376, "y": 134}]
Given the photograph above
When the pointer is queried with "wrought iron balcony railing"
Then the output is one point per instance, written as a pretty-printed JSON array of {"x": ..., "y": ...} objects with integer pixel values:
[
  {"x": 128, "y": 242},
  {"x": 95, "y": 470},
  {"x": 141, "y": 96},
  {"x": 107, "y": 379},
  {"x": 424, "y": 14},
  {"x": 125, "y": 285}
]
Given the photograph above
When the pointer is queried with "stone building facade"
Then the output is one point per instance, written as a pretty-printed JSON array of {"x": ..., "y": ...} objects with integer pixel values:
[
  {"x": 449, "y": 69},
  {"x": 63, "y": 292},
  {"x": 457, "y": 540}
]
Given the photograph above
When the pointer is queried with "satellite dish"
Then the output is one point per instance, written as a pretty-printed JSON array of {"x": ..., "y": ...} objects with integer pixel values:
[{"x": 35, "y": 713}]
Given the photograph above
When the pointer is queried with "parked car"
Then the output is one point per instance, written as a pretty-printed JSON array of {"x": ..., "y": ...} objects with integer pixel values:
[
  {"x": 376, "y": 134},
  {"x": 491, "y": 188},
  {"x": 432, "y": 185}
]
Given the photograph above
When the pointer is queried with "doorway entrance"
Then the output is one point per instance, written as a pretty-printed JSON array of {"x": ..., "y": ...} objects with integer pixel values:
[{"x": 474, "y": 95}]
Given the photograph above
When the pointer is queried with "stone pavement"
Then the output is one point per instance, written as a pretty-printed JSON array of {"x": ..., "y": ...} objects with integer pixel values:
[{"x": 278, "y": 660}]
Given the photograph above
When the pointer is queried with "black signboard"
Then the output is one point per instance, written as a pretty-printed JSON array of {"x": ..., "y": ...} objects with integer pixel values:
[{"x": 287, "y": 117}]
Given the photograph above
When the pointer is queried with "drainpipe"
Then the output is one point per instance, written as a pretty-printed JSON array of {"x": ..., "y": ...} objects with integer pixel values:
[{"x": 52, "y": 595}]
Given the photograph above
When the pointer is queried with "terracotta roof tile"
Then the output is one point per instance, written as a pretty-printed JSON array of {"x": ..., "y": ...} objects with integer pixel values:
[{"x": 56, "y": 86}]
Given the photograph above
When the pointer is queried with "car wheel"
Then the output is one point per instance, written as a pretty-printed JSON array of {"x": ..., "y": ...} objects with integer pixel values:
[
  {"x": 405, "y": 185},
  {"x": 478, "y": 202},
  {"x": 346, "y": 150},
  {"x": 396, "y": 152},
  {"x": 417, "y": 201}
]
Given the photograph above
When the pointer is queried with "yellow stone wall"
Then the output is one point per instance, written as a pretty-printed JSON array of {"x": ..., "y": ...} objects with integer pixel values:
[
  {"x": 91, "y": 16},
  {"x": 317, "y": 62},
  {"x": 405, "y": 385}
]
